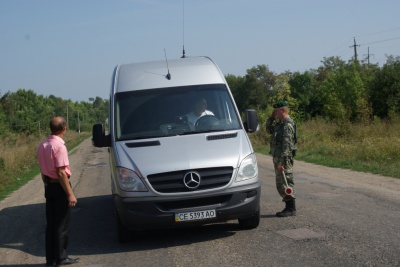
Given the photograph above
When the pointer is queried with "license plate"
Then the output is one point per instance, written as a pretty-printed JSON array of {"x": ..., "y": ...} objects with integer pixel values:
[{"x": 195, "y": 215}]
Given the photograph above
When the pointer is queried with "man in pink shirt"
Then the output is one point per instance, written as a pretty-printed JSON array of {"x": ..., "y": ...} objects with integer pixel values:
[{"x": 54, "y": 166}]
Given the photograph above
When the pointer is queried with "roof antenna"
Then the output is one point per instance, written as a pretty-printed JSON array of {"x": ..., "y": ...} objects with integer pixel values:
[
  {"x": 168, "y": 76},
  {"x": 183, "y": 30}
]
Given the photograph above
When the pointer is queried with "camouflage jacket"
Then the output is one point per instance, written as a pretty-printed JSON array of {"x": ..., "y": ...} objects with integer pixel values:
[{"x": 282, "y": 142}]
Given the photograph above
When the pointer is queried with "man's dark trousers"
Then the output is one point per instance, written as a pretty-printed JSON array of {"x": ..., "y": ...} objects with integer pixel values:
[{"x": 58, "y": 222}]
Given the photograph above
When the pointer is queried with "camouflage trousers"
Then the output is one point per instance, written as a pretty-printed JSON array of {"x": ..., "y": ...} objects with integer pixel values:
[{"x": 280, "y": 182}]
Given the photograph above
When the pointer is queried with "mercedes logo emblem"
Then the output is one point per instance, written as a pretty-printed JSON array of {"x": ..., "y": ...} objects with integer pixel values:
[{"x": 192, "y": 180}]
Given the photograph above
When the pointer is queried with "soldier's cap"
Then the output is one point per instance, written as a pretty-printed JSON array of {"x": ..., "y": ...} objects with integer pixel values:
[{"x": 280, "y": 104}]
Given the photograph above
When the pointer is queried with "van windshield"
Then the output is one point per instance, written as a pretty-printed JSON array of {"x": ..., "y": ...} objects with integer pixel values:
[{"x": 174, "y": 111}]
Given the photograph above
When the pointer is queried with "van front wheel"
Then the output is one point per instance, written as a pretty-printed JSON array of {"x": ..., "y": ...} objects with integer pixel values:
[
  {"x": 124, "y": 234},
  {"x": 250, "y": 222}
]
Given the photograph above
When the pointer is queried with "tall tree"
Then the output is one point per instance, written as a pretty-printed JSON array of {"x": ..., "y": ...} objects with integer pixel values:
[
  {"x": 25, "y": 111},
  {"x": 304, "y": 89},
  {"x": 344, "y": 93},
  {"x": 259, "y": 86},
  {"x": 236, "y": 84},
  {"x": 385, "y": 88}
]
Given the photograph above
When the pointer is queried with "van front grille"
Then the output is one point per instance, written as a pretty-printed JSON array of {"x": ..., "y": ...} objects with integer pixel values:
[{"x": 173, "y": 182}]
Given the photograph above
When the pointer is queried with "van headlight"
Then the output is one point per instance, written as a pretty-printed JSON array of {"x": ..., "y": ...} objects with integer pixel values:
[
  {"x": 248, "y": 169},
  {"x": 129, "y": 181}
]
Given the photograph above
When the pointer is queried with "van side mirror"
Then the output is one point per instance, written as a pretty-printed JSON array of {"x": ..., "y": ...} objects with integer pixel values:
[
  {"x": 99, "y": 138},
  {"x": 251, "y": 124}
]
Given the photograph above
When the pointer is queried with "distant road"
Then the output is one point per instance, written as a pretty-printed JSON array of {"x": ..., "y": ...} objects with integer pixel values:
[{"x": 345, "y": 218}]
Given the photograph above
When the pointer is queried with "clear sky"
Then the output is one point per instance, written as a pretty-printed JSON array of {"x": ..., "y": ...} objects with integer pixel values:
[{"x": 70, "y": 48}]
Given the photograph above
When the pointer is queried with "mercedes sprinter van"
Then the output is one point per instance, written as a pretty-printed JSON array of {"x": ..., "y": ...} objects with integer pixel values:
[{"x": 179, "y": 151}]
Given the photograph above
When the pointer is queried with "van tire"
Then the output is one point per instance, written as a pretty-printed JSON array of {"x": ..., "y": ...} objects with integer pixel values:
[
  {"x": 250, "y": 222},
  {"x": 124, "y": 234}
]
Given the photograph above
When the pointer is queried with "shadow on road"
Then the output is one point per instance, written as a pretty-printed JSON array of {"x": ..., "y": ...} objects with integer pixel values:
[{"x": 94, "y": 230}]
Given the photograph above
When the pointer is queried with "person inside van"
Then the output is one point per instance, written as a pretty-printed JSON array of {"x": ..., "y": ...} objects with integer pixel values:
[{"x": 199, "y": 110}]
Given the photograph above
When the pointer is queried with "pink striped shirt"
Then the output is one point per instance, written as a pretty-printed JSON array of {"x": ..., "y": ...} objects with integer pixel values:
[{"x": 52, "y": 153}]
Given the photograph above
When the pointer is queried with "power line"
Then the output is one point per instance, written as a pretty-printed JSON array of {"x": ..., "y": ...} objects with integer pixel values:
[
  {"x": 382, "y": 41},
  {"x": 33, "y": 123},
  {"x": 367, "y": 34},
  {"x": 330, "y": 53},
  {"x": 341, "y": 53}
]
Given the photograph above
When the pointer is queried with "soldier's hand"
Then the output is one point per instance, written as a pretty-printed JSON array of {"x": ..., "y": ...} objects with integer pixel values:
[{"x": 273, "y": 115}]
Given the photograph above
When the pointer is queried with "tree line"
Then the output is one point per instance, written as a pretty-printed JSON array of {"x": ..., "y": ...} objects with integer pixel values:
[
  {"x": 337, "y": 90},
  {"x": 24, "y": 111}
]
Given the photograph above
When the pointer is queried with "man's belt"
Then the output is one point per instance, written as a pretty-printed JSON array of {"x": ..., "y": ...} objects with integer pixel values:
[{"x": 49, "y": 180}]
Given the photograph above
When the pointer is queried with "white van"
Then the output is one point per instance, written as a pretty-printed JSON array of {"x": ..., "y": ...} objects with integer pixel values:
[{"x": 179, "y": 152}]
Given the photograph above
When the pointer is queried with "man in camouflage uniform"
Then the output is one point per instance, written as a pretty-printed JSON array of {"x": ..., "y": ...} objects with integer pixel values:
[{"x": 282, "y": 147}]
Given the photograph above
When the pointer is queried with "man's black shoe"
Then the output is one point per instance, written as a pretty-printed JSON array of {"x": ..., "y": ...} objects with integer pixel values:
[
  {"x": 49, "y": 263},
  {"x": 68, "y": 261}
]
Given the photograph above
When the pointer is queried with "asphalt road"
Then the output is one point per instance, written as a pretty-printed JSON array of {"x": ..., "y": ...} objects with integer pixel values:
[{"x": 344, "y": 218}]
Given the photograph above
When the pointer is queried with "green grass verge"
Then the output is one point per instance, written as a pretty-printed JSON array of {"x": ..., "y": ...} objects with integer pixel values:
[
  {"x": 387, "y": 168},
  {"x": 24, "y": 177},
  {"x": 18, "y": 182}
]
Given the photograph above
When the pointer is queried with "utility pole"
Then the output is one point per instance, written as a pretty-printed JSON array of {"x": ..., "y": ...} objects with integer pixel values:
[
  {"x": 67, "y": 117},
  {"x": 355, "y": 50},
  {"x": 79, "y": 124},
  {"x": 368, "y": 56}
]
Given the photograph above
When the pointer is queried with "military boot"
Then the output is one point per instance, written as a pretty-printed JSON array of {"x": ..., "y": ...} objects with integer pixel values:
[{"x": 289, "y": 210}]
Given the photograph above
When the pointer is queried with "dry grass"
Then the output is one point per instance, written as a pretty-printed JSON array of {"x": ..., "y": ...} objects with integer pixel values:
[
  {"x": 370, "y": 147},
  {"x": 18, "y": 157}
]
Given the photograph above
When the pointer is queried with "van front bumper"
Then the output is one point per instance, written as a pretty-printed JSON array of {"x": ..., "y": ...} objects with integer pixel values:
[{"x": 159, "y": 212}]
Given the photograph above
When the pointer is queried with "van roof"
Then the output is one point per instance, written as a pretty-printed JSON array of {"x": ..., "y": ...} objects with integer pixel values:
[{"x": 152, "y": 74}]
